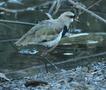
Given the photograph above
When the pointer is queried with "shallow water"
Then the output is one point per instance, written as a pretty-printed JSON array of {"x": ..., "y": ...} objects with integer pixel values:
[{"x": 10, "y": 59}]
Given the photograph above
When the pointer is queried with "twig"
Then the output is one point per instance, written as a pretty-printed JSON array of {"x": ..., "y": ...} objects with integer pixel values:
[
  {"x": 12, "y": 10},
  {"x": 92, "y": 6},
  {"x": 17, "y": 22},
  {"x": 56, "y": 5},
  {"x": 79, "y": 58},
  {"x": 49, "y": 16},
  {"x": 52, "y": 7},
  {"x": 77, "y": 5},
  {"x": 5, "y": 25},
  {"x": 62, "y": 62},
  {"x": 33, "y": 8}
]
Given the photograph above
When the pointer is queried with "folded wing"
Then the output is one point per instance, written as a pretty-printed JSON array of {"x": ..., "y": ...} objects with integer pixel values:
[{"x": 43, "y": 31}]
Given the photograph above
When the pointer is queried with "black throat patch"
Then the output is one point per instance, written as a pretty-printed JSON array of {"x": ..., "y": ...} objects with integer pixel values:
[{"x": 65, "y": 30}]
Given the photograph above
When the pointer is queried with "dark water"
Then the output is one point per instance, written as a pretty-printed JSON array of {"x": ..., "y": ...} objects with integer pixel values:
[{"x": 9, "y": 56}]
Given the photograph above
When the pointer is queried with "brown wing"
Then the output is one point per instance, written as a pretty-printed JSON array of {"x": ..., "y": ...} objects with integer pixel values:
[{"x": 42, "y": 31}]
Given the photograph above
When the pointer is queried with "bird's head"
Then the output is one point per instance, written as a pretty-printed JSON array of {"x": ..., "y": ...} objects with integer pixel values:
[{"x": 67, "y": 18}]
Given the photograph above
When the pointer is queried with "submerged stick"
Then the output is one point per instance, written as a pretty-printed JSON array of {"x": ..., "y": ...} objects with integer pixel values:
[{"x": 83, "y": 57}]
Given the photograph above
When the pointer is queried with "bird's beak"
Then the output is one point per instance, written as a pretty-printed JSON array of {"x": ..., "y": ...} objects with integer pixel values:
[{"x": 76, "y": 18}]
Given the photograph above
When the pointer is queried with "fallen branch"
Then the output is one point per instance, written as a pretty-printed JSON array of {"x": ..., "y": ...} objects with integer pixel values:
[
  {"x": 79, "y": 58},
  {"x": 69, "y": 36},
  {"x": 8, "y": 40},
  {"x": 33, "y": 8},
  {"x": 12, "y": 10},
  {"x": 77, "y": 5},
  {"x": 70, "y": 60},
  {"x": 96, "y": 3},
  {"x": 17, "y": 22},
  {"x": 58, "y": 63}
]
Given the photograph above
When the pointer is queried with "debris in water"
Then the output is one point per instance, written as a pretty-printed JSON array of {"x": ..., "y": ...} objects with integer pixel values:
[
  {"x": 92, "y": 42},
  {"x": 68, "y": 54},
  {"x": 28, "y": 51}
]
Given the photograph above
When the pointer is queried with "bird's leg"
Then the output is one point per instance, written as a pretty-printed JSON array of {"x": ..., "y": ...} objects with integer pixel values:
[
  {"x": 51, "y": 63},
  {"x": 44, "y": 55},
  {"x": 46, "y": 67},
  {"x": 47, "y": 51},
  {"x": 48, "y": 61},
  {"x": 45, "y": 63}
]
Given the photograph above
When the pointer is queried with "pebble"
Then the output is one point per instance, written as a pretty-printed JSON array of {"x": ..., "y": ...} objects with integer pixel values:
[{"x": 82, "y": 78}]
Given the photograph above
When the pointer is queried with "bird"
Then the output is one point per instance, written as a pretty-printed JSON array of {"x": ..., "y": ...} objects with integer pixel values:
[
  {"x": 46, "y": 30},
  {"x": 47, "y": 33}
]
